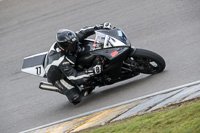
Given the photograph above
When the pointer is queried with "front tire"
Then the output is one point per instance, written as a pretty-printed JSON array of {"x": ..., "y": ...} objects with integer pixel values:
[{"x": 147, "y": 62}]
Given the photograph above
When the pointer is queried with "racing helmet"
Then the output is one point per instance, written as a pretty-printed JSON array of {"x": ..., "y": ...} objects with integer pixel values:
[{"x": 67, "y": 40}]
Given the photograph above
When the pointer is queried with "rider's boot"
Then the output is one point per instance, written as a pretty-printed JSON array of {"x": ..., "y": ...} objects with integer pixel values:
[{"x": 72, "y": 92}]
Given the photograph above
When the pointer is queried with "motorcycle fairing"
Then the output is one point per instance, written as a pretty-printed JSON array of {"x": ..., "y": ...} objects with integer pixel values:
[
  {"x": 113, "y": 68},
  {"x": 110, "y": 53}
]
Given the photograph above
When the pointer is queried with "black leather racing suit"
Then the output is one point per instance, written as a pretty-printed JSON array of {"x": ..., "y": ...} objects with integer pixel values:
[{"x": 60, "y": 69}]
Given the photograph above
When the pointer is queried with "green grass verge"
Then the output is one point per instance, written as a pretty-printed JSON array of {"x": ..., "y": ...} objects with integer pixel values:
[{"x": 184, "y": 119}]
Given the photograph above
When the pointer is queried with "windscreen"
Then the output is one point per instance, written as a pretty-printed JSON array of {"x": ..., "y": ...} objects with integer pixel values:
[{"x": 110, "y": 38}]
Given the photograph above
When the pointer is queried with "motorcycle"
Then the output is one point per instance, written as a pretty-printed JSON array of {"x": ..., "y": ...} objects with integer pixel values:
[{"x": 122, "y": 61}]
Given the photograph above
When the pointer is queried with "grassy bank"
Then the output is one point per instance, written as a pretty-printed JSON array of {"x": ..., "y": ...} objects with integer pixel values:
[{"x": 183, "y": 119}]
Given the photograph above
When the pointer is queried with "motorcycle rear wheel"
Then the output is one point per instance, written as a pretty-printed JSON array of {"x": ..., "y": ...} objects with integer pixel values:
[{"x": 147, "y": 62}]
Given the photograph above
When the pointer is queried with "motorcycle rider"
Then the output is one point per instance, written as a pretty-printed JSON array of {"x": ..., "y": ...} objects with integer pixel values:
[{"x": 61, "y": 60}]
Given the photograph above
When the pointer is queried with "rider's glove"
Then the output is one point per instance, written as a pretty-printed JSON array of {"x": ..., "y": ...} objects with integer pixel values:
[
  {"x": 107, "y": 25},
  {"x": 97, "y": 69},
  {"x": 98, "y": 65},
  {"x": 94, "y": 70}
]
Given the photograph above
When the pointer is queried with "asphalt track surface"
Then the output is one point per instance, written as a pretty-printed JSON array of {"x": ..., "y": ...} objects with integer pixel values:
[{"x": 168, "y": 27}]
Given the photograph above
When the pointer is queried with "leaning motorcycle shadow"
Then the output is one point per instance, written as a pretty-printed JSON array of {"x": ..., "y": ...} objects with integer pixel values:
[{"x": 106, "y": 92}]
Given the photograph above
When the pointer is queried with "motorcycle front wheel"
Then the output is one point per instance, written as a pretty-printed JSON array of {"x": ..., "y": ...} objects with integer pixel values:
[{"x": 147, "y": 62}]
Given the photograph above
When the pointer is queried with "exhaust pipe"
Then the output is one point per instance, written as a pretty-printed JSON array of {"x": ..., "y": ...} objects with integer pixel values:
[{"x": 48, "y": 86}]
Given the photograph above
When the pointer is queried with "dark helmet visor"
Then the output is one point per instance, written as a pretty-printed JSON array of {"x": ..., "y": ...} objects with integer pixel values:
[
  {"x": 64, "y": 45},
  {"x": 68, "y": 46}
]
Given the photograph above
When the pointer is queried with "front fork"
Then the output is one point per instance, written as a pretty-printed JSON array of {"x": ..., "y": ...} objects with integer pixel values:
[
  {"x": 130, "y": 60},
  {"x": 130, "y": 65}
]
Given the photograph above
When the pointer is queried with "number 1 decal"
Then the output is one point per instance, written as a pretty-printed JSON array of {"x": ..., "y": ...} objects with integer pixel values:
[{"x": 38, "y": 70}]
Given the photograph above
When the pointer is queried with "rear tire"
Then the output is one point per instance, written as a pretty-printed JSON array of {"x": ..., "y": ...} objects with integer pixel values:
[{"x": 147, "y": 62}]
